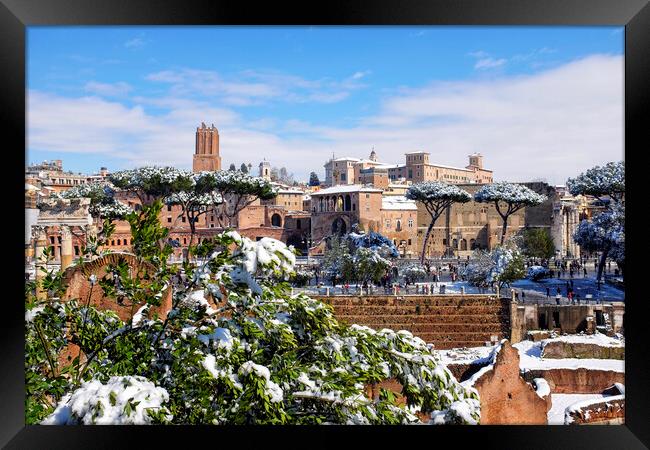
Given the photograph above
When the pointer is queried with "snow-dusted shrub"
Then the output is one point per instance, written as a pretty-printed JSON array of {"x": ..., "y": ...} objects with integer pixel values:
[
  {"x": 413, "y": 272},
  {"x": 536, "y": 273},
  {"x": 502, "y": 266},
  {"x": 236, "y": 348},
  {"x": 373, "y": 241},
  {"x": 129, "y": 400}
]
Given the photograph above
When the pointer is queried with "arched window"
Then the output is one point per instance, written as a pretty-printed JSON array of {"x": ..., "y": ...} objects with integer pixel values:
[
  {"x": 276, "y": 220},
  {"x": 119, "y": 242},
  {"x": 463, "y": 244},
  {"x": 348, "y": 202},
  {"x": 398, "y": 225},
  {"x": 454, "y": 244}
]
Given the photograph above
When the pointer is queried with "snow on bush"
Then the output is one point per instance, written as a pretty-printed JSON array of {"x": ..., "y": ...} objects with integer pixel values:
[
  {"x": 501, "y": 266},
  {"x": 413, "y": 272},
  {"x": 121, "y": 401},
  {"x": 258, "y": 355},
  {"x": 536, "y": 273},
  {"x": 373, "y": 241}
]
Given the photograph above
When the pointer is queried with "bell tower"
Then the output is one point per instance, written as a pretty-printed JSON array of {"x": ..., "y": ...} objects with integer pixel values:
[{"x": 206, "y": 152}]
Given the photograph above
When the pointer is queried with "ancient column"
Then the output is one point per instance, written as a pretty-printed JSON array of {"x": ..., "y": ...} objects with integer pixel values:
[
  {"x": 66, "y": 247},
  {"x": 40, "y": 239}
]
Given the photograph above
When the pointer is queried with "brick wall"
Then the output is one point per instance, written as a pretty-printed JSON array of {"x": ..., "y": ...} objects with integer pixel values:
[{"x": 447, "y": 321}]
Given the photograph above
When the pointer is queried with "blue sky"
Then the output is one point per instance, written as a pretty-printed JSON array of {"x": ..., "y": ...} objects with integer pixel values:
[{"x": 551, "y": 97}]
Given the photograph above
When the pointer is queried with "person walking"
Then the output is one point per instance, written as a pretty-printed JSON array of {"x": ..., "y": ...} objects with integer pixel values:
[
  {"x": 548, "y": 292},
  {"x": 557, "y": 298},
  {"x": 523, "y": 296},
  {"x": 584, "y": 272}
]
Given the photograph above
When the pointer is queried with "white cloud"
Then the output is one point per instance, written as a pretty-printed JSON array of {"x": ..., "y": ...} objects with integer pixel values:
[
  {"x": 253, "y": 87},
  {"x": 553, "y": 124},
  {"x": 489, "y": 63},
  {"x": 135, "y": 43},
  {"x": 108, "y": 89}
]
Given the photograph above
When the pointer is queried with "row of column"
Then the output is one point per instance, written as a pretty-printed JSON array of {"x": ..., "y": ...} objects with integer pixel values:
[{"x": 39, "y": 234}]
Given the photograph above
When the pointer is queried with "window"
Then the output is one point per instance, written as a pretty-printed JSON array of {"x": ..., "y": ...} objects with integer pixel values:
[
  {"x": 410, "y": 223},
  {"x": 119, "y": 242},
  {"x": 398, "y": 226},
  {"x": 126, "y": 242},
  {"x": 298, "y": 224},
  {"x": 169, "y": 220},
  {"x": 169, "y": 207},
  {"x": 52, "y": 240},
  {"x": 76, "y": 250},
  {"x": 59, "y": 239},
  {"x": 183, "y": 219},
  {"x": 387, "y": 223},
  {"x": 184, "y": 241},
  {"x": 112, "y": 242},
  {"x": 409, "y": 242},
  {"x": 342, "y": 177}
]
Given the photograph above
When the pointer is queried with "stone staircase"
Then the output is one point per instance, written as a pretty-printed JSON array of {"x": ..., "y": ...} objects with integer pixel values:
[{"x": 447, "y": 321}]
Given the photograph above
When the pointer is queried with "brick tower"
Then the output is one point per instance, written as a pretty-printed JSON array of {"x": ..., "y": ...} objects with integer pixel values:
[{"x": 206, "y": 154}]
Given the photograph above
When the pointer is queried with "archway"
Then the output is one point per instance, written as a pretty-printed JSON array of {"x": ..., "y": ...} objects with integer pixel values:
[
  {"x": 463, "y": 244},
  {"x": 348, "y": 203},
  {"x": 276, "y": 220},
  {"x": 339, "y": 226}
]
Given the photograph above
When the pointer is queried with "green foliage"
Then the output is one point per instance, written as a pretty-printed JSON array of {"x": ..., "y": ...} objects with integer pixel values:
[
  {"x": 262, "y": 356},
  {"x": 514, "y": 271},
  {"x": 538, "y": 243}
]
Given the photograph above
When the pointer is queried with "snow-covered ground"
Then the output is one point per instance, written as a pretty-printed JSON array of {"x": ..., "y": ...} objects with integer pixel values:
[
  {"x": 533, "y": 289},
  {"x": 530, "y": 359},
  {"x": 464, "y": 355},
  {"x": 597, "y": 338},
  {"x": 581, "y": 287},
  {"x": 560, "y": 402}
]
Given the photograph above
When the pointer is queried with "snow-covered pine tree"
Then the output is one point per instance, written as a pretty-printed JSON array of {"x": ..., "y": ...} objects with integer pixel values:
[
  {"x": 436, "y": 197},
  {"x": 514, "y": 196},
  {"x": 606, "y": 233}
]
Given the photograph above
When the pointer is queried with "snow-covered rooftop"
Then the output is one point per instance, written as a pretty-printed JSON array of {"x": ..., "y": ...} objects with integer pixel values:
[
  {"x": 347, "y": 158},
  {"x": 451, "y": 167},
  {"x": 345, "y": 188},
  {"x": 398, "y": 202}
]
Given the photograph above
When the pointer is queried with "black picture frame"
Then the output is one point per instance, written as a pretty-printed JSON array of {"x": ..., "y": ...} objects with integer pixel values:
[{"x": 15, "y": 15}]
